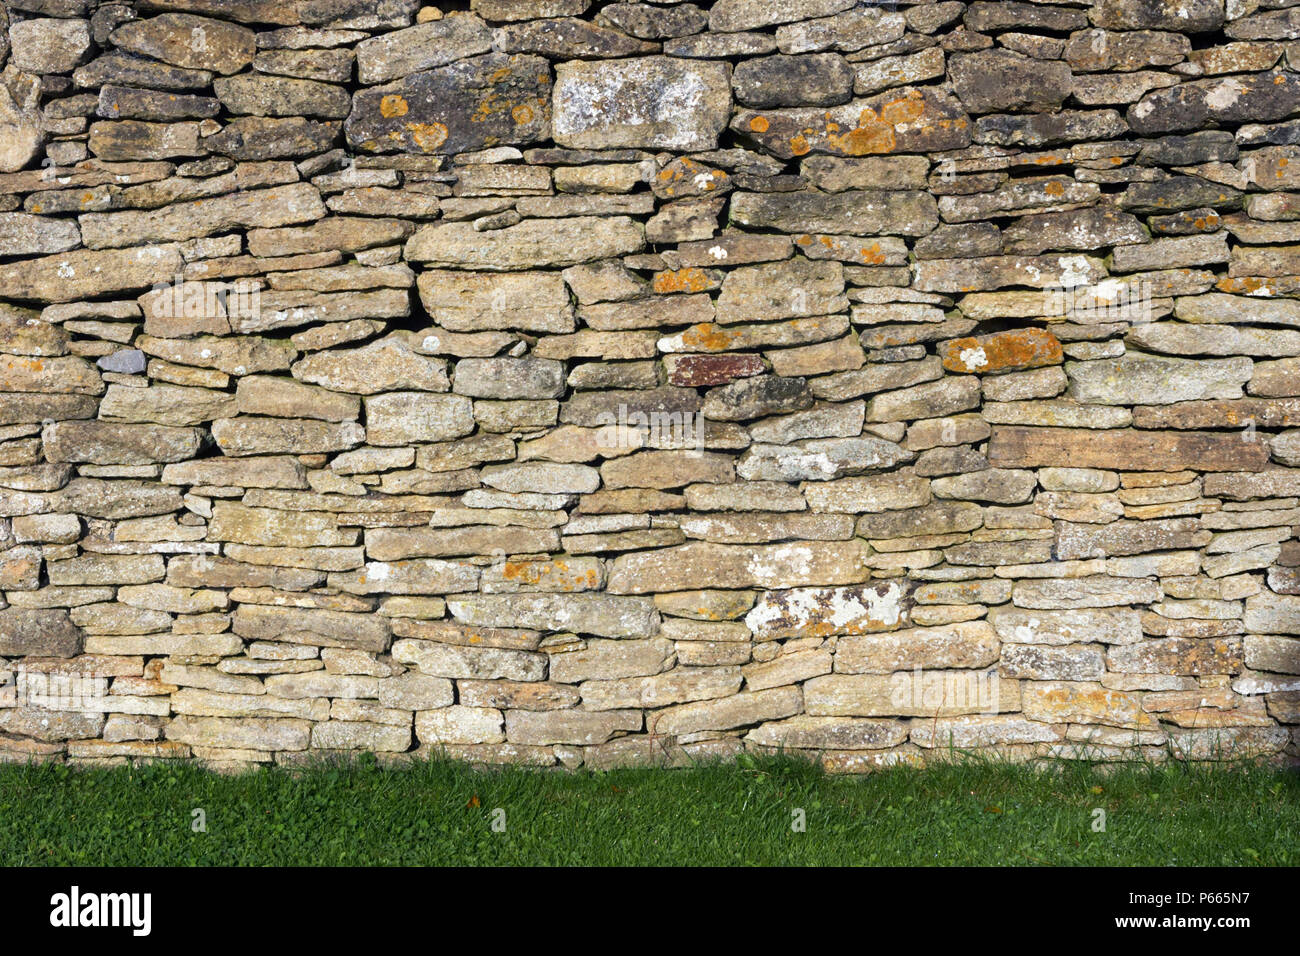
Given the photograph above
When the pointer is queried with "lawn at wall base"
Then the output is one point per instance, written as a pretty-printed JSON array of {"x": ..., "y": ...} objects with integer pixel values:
[
  {"x": 574, "y": 384},
  {"x": 757, "y": 811}
]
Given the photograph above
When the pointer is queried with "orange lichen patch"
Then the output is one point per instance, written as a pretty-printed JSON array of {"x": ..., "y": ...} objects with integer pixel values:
[
  {"x": 1243, "y": 284},
  {"x": 557, "y": 575},
  {"x": 875, "y": 130},
  {"x": 1054, "y": 189},
  {"x": 842, "y": 248},
  {"x": 494, "y": 104},
  {"x": 708, "y": 336},
  {"x": 1002, "y": 351},
  {"x": 428, "y": 136},
  {"x": 689, "y": 279},
  {"x": 905, "y": 109},
  {"x": 393, "y": 105},
  {"x": 871, "y": 135},
  {"x": 1066, "y": 703},
  {"x": 872, "y": 255}
]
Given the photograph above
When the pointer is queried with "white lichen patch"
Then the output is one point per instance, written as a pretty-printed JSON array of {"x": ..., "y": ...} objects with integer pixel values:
[{"x": 973, "y": 359}]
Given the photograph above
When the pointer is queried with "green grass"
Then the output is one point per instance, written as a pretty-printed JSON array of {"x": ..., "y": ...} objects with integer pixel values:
[{"x": 442, "y": 813}]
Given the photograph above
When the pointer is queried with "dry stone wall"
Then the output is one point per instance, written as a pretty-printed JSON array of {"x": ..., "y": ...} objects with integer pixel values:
[{"x": 589, "y": 383}]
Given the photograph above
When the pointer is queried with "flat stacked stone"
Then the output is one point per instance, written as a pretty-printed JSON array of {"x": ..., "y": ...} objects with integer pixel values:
[{"x": 639, "y": 383}]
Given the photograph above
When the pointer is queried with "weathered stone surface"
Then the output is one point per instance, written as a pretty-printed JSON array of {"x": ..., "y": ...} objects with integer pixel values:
[
  {"x": 323, "y": 628},
  {"x": 888, "y": 492},
  {"x": 907, "y": 120},
  {"x": 1175, "y": 338},
  {"x": 22, "y": 234},
  {"x": 48, "y": 45},
  {"x": 1178, "y": 655},
  {"x": 484, "y": 101},
  {"x": 467, "y": 302},
  {"x": 1012, "y": 446},
  {"x": 969, "y": 644},
  {"x": 829, "y": 733},
  {"x": 1269, "y": 613},
  {"x": 241, "y": 733},
  {"x": 479, "y": 663},
  {"x": 38, "y": 633},
  {"x": 818, "y": 460},
  {"x": 1069, "y": 626},
  {"x": 108, "y": 443},
  {"x": 1081, "y": 702},
  {"x": 1261, "y": 96},
  {"x": 399, "y": 418},
  {"x": 285, "y": 398},
  {"x": 166, "y": 404},
  {"x": 1003, "y": 486},
  {"x": 568, "y": 726},
  {"x": 658, "y": 381},
  {"x": 825, "y": 79},
  {"x": 713, "y": 565},
  {"x": 651, "y": 102},
  {"x": 994, "y": 81},
  {"x": 528, "y": 245},
  {"x": 764, "y": 291},
  {"x": 936, "y": 693},
  {"x": 1001, "y": 352},
  {"x": 281, "y": 96},
  {"x": 825, "y": 611},
  {"x": 192, "y": 42},
  {"x": 928, "y": 400},
  {"x": 62, "y": 375},
  {"x": 421, "y": 47},
  {"x": 756, "y": 397},
  {"x": 864, "y": 211},
  {"x": 601, "y": 615},
  {"x": 254, "y": 435},
  {"x": 738, "y": 710},
  {"x": 1084, "y": 592},
  {"x": 83, "y": 274},
  {"x": 388, "y": 364},
  {"x": 510, "y": 378},
  {"x": 1195, "y": 17}
]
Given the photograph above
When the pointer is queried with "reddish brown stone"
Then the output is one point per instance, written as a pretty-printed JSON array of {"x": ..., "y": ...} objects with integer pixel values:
[
  {"x": 718, "y": 369},
  {"x": 1009, "y": 351},
  {"x": 1123, "y": 449}
]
